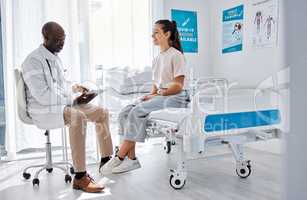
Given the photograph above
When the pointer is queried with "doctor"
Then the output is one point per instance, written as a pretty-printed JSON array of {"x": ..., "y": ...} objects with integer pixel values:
[{"x": 49, "y": 104}]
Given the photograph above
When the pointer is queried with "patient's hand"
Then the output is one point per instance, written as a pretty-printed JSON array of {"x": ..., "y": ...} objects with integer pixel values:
[
  {"x": 148, "y": 97},
  {"x": 79, "y": 88}
]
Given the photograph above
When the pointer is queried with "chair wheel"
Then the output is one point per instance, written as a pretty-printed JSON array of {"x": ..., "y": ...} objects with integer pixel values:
[
  {"x": 35, "y": 182},
  {"x": 72, "y": 170},
  {"x": 168, "y": 147},
  {"x": 67, "y": 178},
  {"x": 49, "y": 170},
  {"x": 26, "y": 176}
]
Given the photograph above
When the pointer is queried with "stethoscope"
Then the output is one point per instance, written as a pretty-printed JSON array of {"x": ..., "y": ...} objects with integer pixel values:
[
  {"x": 49, "y": 66},
  {"x": 53, "y": 79},
  {"x": 60, "y": 88}
]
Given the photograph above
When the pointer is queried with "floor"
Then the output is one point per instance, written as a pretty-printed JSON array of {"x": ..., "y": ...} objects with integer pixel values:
[{"x": 213, "y": 178}]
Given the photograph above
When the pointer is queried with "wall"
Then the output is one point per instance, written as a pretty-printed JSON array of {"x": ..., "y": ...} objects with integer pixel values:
[
  {"x": 251, "y": 66},
  {"x": 2, "y": 111},
  {"x": 199, "y": 61},
  {"x": 295, "y": 183}
]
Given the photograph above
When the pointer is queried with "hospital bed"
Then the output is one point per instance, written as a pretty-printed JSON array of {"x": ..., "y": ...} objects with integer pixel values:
[{"x": 202, "y": 125}]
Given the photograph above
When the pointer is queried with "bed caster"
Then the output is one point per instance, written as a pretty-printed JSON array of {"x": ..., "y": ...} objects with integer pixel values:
[
  {"x": 35, "y": 182},
  {"x": 177, "y": 179},
  {"x": 176, "y": 183},
  {"x": 26, "y": 176},
  {"x": 244, "y": 169},
  {"x": 49, "y": 170},
  {"x": 168, "y": 147},
  {"x": 68, "y": 178}
]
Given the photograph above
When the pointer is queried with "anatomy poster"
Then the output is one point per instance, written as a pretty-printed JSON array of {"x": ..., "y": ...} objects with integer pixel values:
[
  {"x": 265, "y": 23},
  {"x": 187, "y": 27},
  {"x": 233, "y": 29}
]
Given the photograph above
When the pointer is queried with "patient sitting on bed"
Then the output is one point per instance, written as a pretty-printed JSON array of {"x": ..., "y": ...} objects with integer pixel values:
[{"x": 169, "y": 72}]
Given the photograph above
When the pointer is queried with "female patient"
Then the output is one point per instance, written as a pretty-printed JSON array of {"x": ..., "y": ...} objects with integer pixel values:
[{"x": 169, "y": 72}]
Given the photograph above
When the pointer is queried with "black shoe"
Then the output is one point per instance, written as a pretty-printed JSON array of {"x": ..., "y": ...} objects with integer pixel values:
[{"x": 103, "y": 161}]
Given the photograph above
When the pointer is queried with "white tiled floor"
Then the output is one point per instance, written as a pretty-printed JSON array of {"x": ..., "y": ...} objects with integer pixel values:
[{"x": 207, "y": 179}]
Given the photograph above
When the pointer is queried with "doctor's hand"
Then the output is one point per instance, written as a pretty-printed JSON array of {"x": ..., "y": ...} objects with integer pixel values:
[{"x": 79, "y": 88}]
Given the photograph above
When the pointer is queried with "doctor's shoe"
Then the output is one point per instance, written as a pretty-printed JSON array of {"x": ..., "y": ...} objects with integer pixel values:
[
  {"x": 107, "y": 168},
  {"x": 127, "y": 165},
  {"x": 87, "y": 184}
]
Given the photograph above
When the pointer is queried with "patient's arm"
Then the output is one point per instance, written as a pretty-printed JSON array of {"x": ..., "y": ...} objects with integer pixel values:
[
  {"x": 154, "y": 89},
  {"x": 174, "y": 87}
]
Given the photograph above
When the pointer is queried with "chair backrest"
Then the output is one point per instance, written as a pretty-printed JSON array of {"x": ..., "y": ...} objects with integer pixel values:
[{"x": 21, "y": 98}]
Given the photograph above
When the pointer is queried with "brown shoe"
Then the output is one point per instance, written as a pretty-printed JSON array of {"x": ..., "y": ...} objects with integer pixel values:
[{"x": 87, "y": 184}]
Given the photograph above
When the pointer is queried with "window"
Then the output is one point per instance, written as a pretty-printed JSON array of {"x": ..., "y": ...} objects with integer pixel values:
[{"x": 120, "y": 33}]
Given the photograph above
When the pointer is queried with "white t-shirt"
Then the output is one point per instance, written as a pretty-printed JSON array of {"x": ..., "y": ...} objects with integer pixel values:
[{"x": 167, "y": 66}]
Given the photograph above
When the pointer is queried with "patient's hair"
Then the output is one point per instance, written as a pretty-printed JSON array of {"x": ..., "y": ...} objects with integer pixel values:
[{"x": 171, "y": 26}]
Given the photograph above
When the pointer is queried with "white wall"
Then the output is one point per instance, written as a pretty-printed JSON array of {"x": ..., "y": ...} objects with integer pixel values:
[
  {"x": 251, "y": 66},
  {"x": 199, "y": 61},
  {"x": 295, "y": 183}
]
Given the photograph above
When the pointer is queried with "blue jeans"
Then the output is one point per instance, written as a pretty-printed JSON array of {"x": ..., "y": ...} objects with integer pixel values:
[{"x": 133, "y": 118}]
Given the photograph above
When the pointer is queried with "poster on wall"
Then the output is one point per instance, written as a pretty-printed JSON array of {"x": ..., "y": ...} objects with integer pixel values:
[
  {"x": 233, "y": 29},
  {"x": 187, "y": 27},
  {"x": 265, "y": 23}
]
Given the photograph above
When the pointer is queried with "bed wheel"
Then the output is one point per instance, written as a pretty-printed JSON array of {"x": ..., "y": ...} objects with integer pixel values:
[
  {"x": 244, "y": 171},
  {"x": 176, "y": 183},
  {"x": 168, "y": 147}
]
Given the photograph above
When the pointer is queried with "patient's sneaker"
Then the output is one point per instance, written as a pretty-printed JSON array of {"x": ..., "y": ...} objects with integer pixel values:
[
  {"x": 127, "y": 165},
  {"x": 107, "y": 168},
  {"x": 103, "y": 161}
]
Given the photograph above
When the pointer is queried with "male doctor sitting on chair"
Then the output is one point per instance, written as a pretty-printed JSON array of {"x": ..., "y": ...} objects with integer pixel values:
[{"x": 50, "y": 106}]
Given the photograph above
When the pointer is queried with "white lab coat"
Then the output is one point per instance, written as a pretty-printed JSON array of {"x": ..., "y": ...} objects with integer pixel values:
[{"x": 47, "y": 93}]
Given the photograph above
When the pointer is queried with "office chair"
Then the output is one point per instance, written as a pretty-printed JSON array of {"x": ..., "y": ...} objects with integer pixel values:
[{"x": 25, "y": 118}]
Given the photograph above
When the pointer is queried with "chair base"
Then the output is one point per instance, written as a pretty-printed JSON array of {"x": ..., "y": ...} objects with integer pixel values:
[
  {"x": 49, "y": 165},
  {"x": 63, "y": 166}
]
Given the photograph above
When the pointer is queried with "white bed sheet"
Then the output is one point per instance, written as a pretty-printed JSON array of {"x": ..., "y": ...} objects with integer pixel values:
[{"x": 126, "y": 80}]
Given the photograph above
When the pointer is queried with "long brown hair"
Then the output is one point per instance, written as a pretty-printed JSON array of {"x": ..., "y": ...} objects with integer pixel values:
[{"x": 171, "y": 26}]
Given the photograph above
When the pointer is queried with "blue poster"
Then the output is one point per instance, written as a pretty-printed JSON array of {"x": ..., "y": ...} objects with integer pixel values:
[
  {"x": 187, "y": 27},
  {"x": 233, "y": 29}
]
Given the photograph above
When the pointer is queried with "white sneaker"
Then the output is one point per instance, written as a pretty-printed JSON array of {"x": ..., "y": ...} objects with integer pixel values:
[
  {"x": 127, "y": 165},
  {"x": 107, "y": 168}
]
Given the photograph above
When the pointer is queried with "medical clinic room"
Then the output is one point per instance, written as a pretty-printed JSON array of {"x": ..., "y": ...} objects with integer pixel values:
[{"x": 153, "y": 99}]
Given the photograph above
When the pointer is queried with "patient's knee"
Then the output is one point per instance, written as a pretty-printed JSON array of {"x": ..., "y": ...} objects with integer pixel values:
[
  {"x": 123, "y": 115},
  {"x": 138, "y": 112}
]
